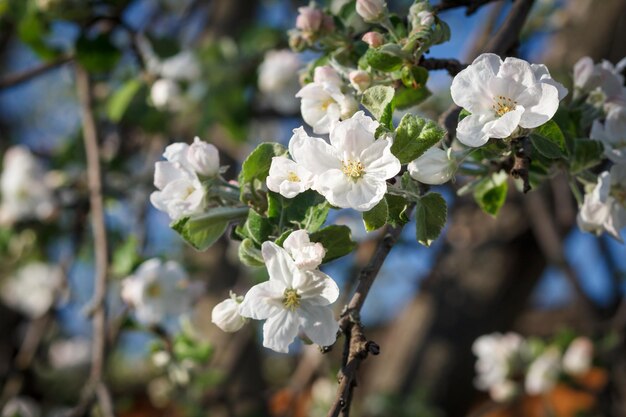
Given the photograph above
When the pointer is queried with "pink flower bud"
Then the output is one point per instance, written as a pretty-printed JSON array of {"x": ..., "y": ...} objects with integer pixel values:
[
  {"x": 326, "y": 74},
  {"x": 373, "y": 39},
  {"x": 310, "y": 19},
  {"x": 360, "y": 80},
  {"x": 370, "y": 10}
]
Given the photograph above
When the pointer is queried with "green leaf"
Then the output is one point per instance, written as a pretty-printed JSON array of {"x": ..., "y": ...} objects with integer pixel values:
[
  {"x": 376, "y": 217},
  {"x": 587, "y": 153},
  {"x": 164, "y": 47},
  {"x": 121, "y": 99},
  {"x": 307, "y": 210},
  {"x": 255, "y": 170},
  {"x": 490, "y": 193},
  {"x": 430, "y": 217},
  {"x": 414, "y": 77},
  {"x": 409, "y": 97},
  {"x": 249, "y": 254},
  {"x": 336, "y": 239},
  {"x": 396, "y": 210},
  {"x": 384, "y": 58},
  {"x": 414, "y": 136},
  {"x": 378, "y": 100},
  {"x": 202, "y": 231},
  {"x": 125, "y": 257},
  {"x": 97, "y": 54},
  {"x": 258, "y": 228},
  {"x": 549, "y": 140}
]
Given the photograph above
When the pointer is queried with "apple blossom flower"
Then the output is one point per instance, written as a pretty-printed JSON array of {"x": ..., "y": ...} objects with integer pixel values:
[
  {"x": 278, "y": 79},
  {"x": 157, "y": 291},
  {"x": 226, "y": 316},
  {"x": 288, "y": 178},
  {"x": 291, "y": 299},
  {"x": 504, "y": 391},
  {"x": 498, "y": 356},
  {"x": 306, "y": 254},
  {"x": 204, "y": 158},
  {"x": 434, "y": 167},
  {"x": 612, "y": 134},
  {"x": 501, "y": 96},
  {"x": 323, "y": 101},
  {"x": 165, "y": 94},
  {"x": 373, "y": 39},
  {"x": 24, "y": 192},
  {"x": 543, "y": 372},
  {"x": 309, "y": 19},
  {"x": 371, "y": 10},
  {"x": 32, "y": 289},
  {"x": 578, "y": 357},
  {"x": 180, "y": 191},
  {"x": 360, "y": 80},
  {"x": 604, "y": 208},
  {"x": 69, "y": 353},
  {"x": 183, "y": 66},
  {"x": 604, "y": 82},
  {"x": 352, "y": 170}
]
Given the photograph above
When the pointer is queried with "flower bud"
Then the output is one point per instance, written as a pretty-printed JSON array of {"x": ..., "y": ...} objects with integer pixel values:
[
  {"x": 326, "y": 74},
  {"x": 578, "y": 356},
  {"x": 348, "y": 106},
  {"x": 373, "y": 39},
  {"x": 360, "y": 80},
  {"x": 203, "y": 158},
  {"x": 226, "y": 315},
  {"x": 434, "y": 167},
  {"x": 309, "y": 19},
  {"x": 370, "y": 10},
  {"x": 165, "y": 94},
  {"x": 426, "y": 18}
]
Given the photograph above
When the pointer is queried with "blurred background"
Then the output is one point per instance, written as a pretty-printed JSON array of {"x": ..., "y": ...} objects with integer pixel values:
[{"x": 168, "y": 70}]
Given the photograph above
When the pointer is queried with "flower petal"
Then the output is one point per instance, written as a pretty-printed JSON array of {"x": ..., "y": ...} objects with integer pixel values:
[
  {"x": 471, "y": 130},
  {"x": 280, "y": 330},
  {"x": 334, "y": 186},
  {"x": 353, "y": 135},
  {"x": 546, "y": 103},
  {"x": 280, "y": 266},
  {"x": 166, "y": 172},
  {"x": 262, "y": 301},
  {"x": 366, "y": 192},
  {"x": 313, "y": 154},
  {"x": 319, "y": 324},
  {"x": 318, "y": 288},
  {"x": 517, "y": 70},
  {"x": 469, "y": 87},
  {"x": 379, "y": 161},
  {"x": 503, "y": 126}
]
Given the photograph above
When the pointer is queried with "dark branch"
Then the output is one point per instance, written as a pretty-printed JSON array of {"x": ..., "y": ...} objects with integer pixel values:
[
  {"x": 453, "y": 66},
  {"x": 15, "y": 79},
  {"x": 472, "y": 5}
]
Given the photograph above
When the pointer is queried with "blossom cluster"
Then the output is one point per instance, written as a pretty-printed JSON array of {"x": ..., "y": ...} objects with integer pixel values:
[{"x": 509, "y": 364}]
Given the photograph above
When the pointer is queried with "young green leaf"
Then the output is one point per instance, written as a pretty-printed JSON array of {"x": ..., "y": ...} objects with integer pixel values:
[
  {"x": 203, "y": 231},
  {"x": 490, "y": 193},
  {"x": 377, "y": 216},
  {"x": 336, "y": 239},
  {"x": 549, "y": 141},
  {"x": 121, "y": 99},
  {"x": 430, "y": 217},
  {"x": 378, "y": 100},
  {"x": 383, "y": 59},
  {"x": 249, "y": 254},
  {"x": 396, "y": 210},
  {"x": 414, "y": 136}
]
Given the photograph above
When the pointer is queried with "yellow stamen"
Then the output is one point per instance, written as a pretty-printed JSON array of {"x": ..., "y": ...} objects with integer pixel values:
[
  {"x": 291, "y": 299},
  {"x": 353, "y": 169},
  {"x": 153, "y": 290},
  {"x": 502, "y": 105},
  {"x": 293, "y": 177}
]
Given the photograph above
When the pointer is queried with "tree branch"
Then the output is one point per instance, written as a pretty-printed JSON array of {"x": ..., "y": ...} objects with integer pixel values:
[
  {"x": 95, "y": 386},
  {"x": 20, "y": 77},
  {"x": 453, "y": 66},
  {"x": 508, "y": 34},
  {"x": 472, "y": 5}
]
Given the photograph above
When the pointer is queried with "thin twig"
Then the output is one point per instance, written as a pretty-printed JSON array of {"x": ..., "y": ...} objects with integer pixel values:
[
  {"x": 453, "y": 66},
  {"x": 21, "y": 77},
  {"x": 95, "y": 386},
  {"x": 472, "y": 5}
]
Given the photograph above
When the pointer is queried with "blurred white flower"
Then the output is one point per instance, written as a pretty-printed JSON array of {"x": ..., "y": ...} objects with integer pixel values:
[
  {"x": 183, "y": 66},
  {"x": 309, "y": 19},
  {"x": 612, "y": 134},
  {"x": 32, "y": 289},
  {"x": 434, "y": 167},
  {"x": 24, "y": 193},
  {"x": 543, "y": 372},
  {"x": 500, "y": 97},
  {"x": 352, "y": 170},
  {"x": 604, "y": 208},
  {"x": 288, "y": 178},
  {"x": 180, "y": 191},
  {"x": 157, "y": 291},
  {"x": 578, "y": 357},
  {"x": 226, "y": 315},
  {"x": 204, "y": 158},
  {"x": 603, "y": 81},
  {"x": 504, "y": 391},
  {"x": 68, "y": 353},
  {"x": 165, "y": 94},
  {"x": 306, "y": 254},
  {"x": 278, "y": 79},
  {"x": 290, "y": 300},
  {"x": 323, "y": 102},
  {"x": 371, "y": 10},
  {"x": 498, "y": 355}
]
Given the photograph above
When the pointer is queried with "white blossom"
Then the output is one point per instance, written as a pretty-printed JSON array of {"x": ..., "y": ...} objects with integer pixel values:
[
  {"x": 291, "y": 299},
  {"x": 24, "y": 192},
  {"x": 500, "y": 97},
  {"x": 278, "y": 79},
  {"x": 542, "y": 74},
  {"x": 497, "y": 354},
  {"x": 204, "y": 158},
  {"x": 612, "y": 134},
  {"x": 604, "y": 208},
  {"x": 352, "y": 170},
  {"x": 288, "y": 178},
  {"x": 309, "y": 19},
  {"x": 360, "y": 80},
  {"x": 183, "y": 66},
  {"x": 180, "y": 191},
  {"x": 543, "y": 372},
  {"x": 67, "y": 353},
  {"x": 165, "y": 94},
  {"x": 435, "y": 166},
  {"x": 32, "y": 289},
  {"x": 306, "y": 254},
  {"x": 226, "y": 315},
  {"x": 323, "y": 101},
  {"x": 157, "y": 291},
  {"x": 371, "y": 10},
  {"x": 504, "y": 391},
  {"x": 604, "y": 82},
  {"x": 578, "y": 357}
]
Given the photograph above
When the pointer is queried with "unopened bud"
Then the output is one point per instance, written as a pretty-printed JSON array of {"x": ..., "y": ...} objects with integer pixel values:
[
  {"x": 360, "y": 80},
  {"x": 373, "y": 39},
  {"x": 434, "y": 167},
  {"x": 203, "y": 158},
  {"x": 371, "y": 10},
  {"x": 309, "y": 19},
  {"x": 226, "y": 315}
]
